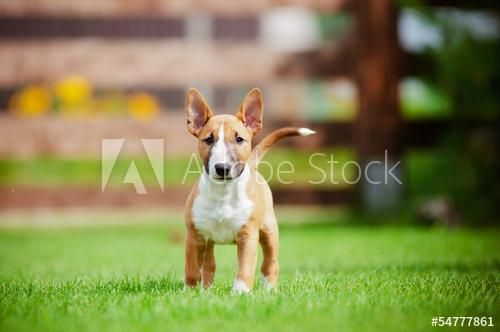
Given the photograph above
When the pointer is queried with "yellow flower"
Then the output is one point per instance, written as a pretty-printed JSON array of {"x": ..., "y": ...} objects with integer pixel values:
[
  {"x": 31, "y": 101},
  {"x": 73, "y": 92},
  {"x": 143, "y": 107}
]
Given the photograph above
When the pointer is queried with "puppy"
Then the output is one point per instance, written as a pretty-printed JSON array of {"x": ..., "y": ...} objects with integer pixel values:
[{"x": 231, "y": 203}]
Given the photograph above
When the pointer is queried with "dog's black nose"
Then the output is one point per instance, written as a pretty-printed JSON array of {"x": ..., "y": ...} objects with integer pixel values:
[{"x": 222, "y": 170}]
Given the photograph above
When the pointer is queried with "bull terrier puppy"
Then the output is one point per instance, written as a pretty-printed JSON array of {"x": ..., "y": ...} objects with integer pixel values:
[{"x": 231, "y": 203}]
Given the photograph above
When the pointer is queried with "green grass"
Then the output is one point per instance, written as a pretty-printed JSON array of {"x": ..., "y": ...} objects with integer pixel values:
[{"x": 344, "y": 278}]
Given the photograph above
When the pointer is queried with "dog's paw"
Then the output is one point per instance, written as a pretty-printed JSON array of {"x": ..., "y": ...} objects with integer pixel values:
[
  {"x": 267, "y": 285},
  {"x": 191, "y": 288},
  {"x": 239, "y": 287}
]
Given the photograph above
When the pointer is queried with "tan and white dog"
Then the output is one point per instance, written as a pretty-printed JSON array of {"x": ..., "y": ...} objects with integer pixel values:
[{"x": 231, "y": 202}]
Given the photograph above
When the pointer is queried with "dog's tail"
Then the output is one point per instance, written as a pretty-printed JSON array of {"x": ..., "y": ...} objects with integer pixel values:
[{"x": 261, "y": 149}]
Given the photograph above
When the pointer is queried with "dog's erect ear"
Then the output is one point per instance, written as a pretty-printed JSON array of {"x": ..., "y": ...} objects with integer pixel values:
[
  {"x": 252, "y": 110},
  {"x": 197, "y": 111}
]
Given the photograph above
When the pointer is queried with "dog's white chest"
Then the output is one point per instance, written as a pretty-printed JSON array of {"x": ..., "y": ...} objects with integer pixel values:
[{"x": 220, "y": 210}]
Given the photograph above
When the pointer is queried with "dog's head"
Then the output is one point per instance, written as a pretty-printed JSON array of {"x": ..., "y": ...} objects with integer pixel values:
[{"x": 224, "y": 141}]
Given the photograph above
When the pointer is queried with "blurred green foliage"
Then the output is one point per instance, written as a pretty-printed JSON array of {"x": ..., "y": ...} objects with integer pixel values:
[
  {"x": 334, "y": 26},
  {"x": 421, "y": 99},
  {"x": 466, "y": 70}
]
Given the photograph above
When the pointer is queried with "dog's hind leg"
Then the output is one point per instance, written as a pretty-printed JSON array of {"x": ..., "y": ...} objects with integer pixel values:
[
  {"x": 208, "y": 268},
  {"x": 269, "y": 240}
]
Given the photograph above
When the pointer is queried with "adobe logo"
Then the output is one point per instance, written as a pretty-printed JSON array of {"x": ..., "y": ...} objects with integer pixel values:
[{"x": 154, "y": 150}]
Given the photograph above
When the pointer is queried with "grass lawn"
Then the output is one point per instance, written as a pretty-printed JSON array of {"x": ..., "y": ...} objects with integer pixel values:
[{"x": 344, "y": 278}]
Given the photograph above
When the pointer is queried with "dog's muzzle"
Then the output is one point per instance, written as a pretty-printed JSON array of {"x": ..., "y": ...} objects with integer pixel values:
[{"x": 223, "y": 170}]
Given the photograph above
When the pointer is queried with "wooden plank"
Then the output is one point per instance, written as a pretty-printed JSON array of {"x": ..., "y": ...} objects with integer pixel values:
[
  {"x": 65, "y": 137},
  {"x": 121, "y": 63},
  {"x": 70, "y": 27},
  {"x": 88, "y": 196},
  {"x": 109, "y": 8},
  {"x": 70, "y": 137},
  {"x": 83, "y": 137},
  {"x": 36, "y": 27},
  {"x": 91, "y": 196},
  {"x": 236, "y": 28},
  {"x": 311, "y": 196}
]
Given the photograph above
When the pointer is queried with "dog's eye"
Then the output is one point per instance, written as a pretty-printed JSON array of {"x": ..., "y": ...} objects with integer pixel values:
[
  {"x": 209, "y": 140},
  {"x": 240, "y": 139}
]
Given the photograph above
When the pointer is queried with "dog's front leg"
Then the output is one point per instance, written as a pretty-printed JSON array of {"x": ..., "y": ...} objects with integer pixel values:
[
  {"x": 195, "y": 252},
  {"x": 208, "y": 268},
  {"x": 247, "y": 242}
]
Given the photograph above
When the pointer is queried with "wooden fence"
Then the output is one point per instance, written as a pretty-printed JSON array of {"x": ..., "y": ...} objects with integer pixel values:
[{"x": 370, "y": 55}]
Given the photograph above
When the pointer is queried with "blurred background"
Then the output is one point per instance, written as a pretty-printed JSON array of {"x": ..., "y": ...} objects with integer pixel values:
[{"x": 418, "y": 79}]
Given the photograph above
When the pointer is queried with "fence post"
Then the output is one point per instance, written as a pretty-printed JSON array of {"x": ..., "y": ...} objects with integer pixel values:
[{"x": 378, "y": 126}]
